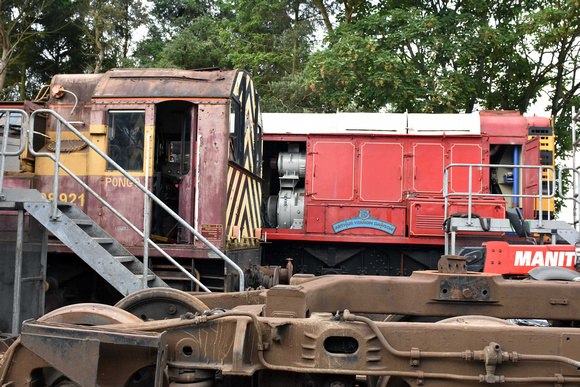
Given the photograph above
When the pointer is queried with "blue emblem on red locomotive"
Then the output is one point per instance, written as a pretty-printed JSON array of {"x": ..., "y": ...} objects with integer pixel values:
[{"x": 364, "y": 219}]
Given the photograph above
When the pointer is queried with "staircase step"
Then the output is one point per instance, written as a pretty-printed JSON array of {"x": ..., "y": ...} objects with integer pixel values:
[
  {"x": 150, "y": 277},
  {"x": 124, "y": 258},
  {"x": 104, "y": 240},
  {"x": 83, "y": 222},
  {"x": 109, "y": 258}
]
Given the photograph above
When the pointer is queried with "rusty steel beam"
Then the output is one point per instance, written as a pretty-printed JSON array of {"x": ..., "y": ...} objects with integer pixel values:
[
  {"x": 428, "y": 293},
  {"x": 333, "y": 330}
]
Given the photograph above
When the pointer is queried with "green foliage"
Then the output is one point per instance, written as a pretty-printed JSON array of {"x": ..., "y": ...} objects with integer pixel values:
[
  {"x": 18, "y": 27},
  {"x": 416, "y": 56},
  {"x": 292, "y": 94},
  {"x": 270, "y": 39},
  {"x": 392, "y": 55},
  {"x": 196, "y": 46}
]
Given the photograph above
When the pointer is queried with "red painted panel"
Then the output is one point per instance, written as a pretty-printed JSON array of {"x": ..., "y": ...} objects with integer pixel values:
[
  {"x": 459, "y": 176},
  {"x": 24, "y": 182},
  {"x": 315, "y": 218},
  {"x": 426, "y": 216},
  {"x": 428, "y": 167},
  {"x": 333, "y": 170},
  {"x": 503, "y": 123},
  {"x": 212, "y": 171},
  {"x": 125, "y": 198},
  {"x": 381, "y": 171},
  {"x": 503, "y": 258}
]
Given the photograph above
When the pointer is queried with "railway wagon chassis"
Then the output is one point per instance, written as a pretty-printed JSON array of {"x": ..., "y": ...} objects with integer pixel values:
[{"x": 318, "y": 331}]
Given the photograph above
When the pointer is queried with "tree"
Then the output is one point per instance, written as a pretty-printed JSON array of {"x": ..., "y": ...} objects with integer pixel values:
[
  {"x": 17, "y": 25},
  {"x": 184, "y": 34},
  {"x": 447, "y": 56},
  {"x": 556, "y": 43},
  {"x": 272, "y": 40},
  {"x": 108, "y": 27},
  {"x": 58, "y": 49}
]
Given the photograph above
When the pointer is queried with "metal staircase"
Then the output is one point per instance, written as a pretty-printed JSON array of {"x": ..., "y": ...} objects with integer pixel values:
[{"x": 87, "y": 240}]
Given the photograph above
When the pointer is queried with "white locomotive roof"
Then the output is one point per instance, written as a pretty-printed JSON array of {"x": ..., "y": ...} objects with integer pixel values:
[{"x": 371, "y": 123}]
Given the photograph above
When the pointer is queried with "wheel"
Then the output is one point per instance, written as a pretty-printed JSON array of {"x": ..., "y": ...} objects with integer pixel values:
[
  {"x": 161, "y": 303},
  {"x": 89, "y": 315}
]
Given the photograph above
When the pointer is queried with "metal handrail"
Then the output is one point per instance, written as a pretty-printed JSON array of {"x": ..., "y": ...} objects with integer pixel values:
[
  {"x": 541, "y": 168},
  {"x": 60, "y": 165},
  {"x": 470, "y": 193},
  {"x": 561, "y": 184},
  {"x": 4, "y": 152},
  {"x": 574, "y": 197}
]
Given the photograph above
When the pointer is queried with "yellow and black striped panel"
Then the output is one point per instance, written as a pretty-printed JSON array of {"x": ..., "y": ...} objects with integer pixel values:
[
  {"x": 244, "y": 93},
  {"x": 243, "y": 210}
]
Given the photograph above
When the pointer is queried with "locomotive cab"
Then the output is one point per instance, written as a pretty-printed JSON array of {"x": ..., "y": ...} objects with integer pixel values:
[{"x": 192, "y": 138}]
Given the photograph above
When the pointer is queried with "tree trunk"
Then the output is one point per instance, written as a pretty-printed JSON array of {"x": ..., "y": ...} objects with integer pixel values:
[
  {"x": 101, "y": 56},
  {"x": 320, "y": 5},
  {"x": 4, "y": 59},
  {"x": 559, "y": 78},
  {"x": 295, "y": 48},
  {"x": 23, "y": 81}
]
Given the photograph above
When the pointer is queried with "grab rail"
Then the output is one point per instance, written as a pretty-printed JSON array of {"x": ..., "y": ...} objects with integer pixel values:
[
  {"x": 59, "y": 165},
  {"x": 4, "y": 152},
  {"x": 470, "y": 194}
]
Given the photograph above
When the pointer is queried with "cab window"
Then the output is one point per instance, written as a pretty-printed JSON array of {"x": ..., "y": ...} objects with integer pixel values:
[{"x": 125, "y": 135}]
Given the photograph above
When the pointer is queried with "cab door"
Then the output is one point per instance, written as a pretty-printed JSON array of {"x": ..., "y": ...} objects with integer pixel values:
[
  {"x": 175, "y": 169},
  {"x": 531, "y": 177},
  {"x": 188, "y": 166},
  {"x": 127, "y": 131}
]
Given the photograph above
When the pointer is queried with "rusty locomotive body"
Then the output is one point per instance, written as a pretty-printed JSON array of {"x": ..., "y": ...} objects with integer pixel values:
[{"x": 192, "y": 139}]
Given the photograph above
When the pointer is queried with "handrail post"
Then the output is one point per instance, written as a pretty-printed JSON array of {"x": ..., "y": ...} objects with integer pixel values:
[
  {"x": 146, "y": 216},
  {"x": 5, "y": 136},
  {"x": 445, "y": 212},
  {"x": 17, "y": 296},
  {"x": 55, "y": 215},
  {"x": 541, "y": 197},
  {"x": 469, "y": 197},
  {"x": 3, "y": 156}
]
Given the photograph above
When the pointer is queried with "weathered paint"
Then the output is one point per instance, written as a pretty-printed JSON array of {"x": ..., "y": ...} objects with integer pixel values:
[{"x": 203, "y": 191}]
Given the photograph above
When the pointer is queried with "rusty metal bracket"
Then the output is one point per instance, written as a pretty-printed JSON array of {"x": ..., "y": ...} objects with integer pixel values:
[
  {"x": 75, "y": 350},
  {"x": 452, "y": 264},
  {"x": 464, "y": 288},
  {"x": 78, "y": 358}
]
